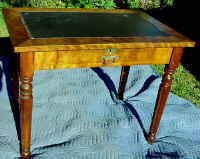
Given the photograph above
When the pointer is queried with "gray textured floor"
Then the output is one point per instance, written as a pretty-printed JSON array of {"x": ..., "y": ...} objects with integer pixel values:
[{"x": 76, "y": 116}]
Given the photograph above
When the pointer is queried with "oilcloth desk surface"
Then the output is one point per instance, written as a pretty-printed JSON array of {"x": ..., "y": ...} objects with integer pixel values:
[{"x": 76, "y": 115}]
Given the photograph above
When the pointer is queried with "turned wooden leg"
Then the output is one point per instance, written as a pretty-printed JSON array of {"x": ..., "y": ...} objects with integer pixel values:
[
  {"x": 123, "y": 80},
  {"x": 164, "y": 92},
  {"x": 26, "y": 100}
]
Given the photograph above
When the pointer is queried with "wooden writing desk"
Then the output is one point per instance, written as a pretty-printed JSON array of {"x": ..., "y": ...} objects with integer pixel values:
[{"x": 72, "y": 38}]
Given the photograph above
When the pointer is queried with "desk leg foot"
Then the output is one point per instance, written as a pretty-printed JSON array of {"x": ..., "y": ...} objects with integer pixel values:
[
  {"x": 151, "y": 138},
  {"x": 164, "y": 92},
  {"x": 26, "y": 100},
  {"x": 26, "y": 155},
  {"x": 123, "y": 80}
]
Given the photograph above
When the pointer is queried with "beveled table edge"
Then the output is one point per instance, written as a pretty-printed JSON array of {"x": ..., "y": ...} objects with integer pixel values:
[{"x": 23, "y": 43}]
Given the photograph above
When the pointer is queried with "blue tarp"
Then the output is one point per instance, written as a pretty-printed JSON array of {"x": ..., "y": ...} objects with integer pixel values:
[{"x": 76, "y": 115}]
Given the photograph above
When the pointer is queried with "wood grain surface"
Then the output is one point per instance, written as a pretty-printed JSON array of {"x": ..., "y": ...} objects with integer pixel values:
[
  {"x": 94, "y": 58},
  {"x": 76, "y": 52},
  {"x": 23, "y": 43}
]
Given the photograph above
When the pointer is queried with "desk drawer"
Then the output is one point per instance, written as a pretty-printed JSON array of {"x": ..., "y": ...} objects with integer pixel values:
[{"x": 98, "y": 58}]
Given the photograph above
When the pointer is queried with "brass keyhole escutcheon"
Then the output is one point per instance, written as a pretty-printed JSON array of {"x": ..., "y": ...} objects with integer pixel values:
[
  {"x": 110, "y": 50},
  {"x": 111, "y": 58}
]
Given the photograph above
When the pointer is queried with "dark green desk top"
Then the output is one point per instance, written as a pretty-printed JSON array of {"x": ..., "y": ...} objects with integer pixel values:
[{"x": 87, "y": 24}]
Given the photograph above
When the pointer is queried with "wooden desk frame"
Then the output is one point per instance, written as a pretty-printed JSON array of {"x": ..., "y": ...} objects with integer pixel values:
[{"x": 29, "y": 56}]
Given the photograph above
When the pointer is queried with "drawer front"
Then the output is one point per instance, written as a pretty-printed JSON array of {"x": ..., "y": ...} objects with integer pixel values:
[{"x": 99, "y": 58}]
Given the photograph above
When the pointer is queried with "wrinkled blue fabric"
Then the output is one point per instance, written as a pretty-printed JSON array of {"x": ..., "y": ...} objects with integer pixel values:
[{"x": 76, "y": 115}]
